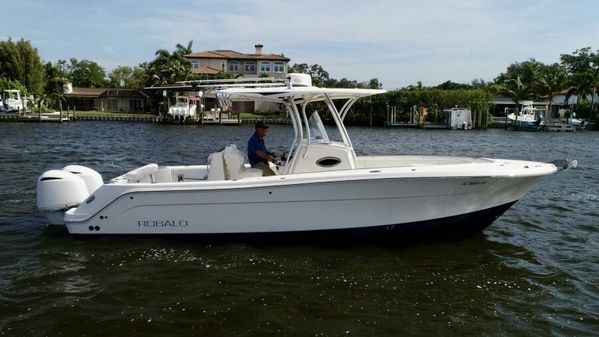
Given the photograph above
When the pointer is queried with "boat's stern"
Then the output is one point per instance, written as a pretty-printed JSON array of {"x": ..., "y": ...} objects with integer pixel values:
[{"x": 60, "y": 190}]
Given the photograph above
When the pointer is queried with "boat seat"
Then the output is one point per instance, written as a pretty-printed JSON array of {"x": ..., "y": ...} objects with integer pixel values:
[
  {"x": 162, "y": 175},
  {"x": 142, "y": 174},
  {"x": 216, "y": 166},
  {"x": 235, "y": 165}
]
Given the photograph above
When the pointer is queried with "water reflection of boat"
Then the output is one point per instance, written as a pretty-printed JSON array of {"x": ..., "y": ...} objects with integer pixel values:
[{"x": 321, "y": 189}]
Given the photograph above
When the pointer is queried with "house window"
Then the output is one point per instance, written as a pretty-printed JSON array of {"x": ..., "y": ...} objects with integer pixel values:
[
  {"x": 195, "y": 64},
  {"x": 222, "y": 65},
  {"x": 135, "y": 105},
  {"x": 250, "y": 67},
  {"x": 279, "y": 67},
  {"x": 112, "y": 104},
  {"x": 265, "y": 67},
  {"x": 234, "y": 66}
]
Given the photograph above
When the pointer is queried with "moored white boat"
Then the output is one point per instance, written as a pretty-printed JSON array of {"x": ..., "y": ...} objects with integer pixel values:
[
  {"x": 528, "y": 118},
  {"x": 12, "y": 101},
  {"x": 184, "y": 110},
  {"x": 322, "y": 189}
]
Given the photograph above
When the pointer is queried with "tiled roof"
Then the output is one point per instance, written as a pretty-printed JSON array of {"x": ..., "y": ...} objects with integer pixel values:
[
  {"x": 111, "y": 92},
  {"x": 205, "y": 70},
  {"x": 91, "y": 92},
  {"x": 231, "y": 54}
]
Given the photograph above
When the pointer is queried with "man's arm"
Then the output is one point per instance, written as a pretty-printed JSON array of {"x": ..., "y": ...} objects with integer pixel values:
[{"x": 264, "y": 155}]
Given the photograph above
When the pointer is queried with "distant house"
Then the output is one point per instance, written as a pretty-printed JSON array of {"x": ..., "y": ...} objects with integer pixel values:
[
  {"x": 257, "y": 64},
  {"x": 211, "y": 62},
  {"x": 560, "y": 101},
  {"x": 107, "y": 99}
]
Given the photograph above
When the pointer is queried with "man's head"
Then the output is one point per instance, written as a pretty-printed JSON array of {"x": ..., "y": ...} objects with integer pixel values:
[{"x": 261, "y": 129}]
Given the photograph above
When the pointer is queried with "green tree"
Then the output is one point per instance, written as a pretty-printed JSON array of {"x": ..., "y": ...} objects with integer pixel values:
[
  {"x": 56, "y": 78},
  {"x": 118, "y": 76},
  {"x": 184, "y": 50},
  {"x": 20, "y": 61},
  {"x": 583, "y": 68},
  {"x": 517, "y": 90},
  {"x": 551, "y": 80},
  {"x": 127, "y": 77},
  {"x": 320, "y": 77},
  {"x": 6, "y": 84},
  {"x": 525, "y": 72},
  {"x": 579, "y": 62},
  {"x": 374, "y": 83},
  {"x": 449, "y": 85},
  {"x": 87, "y": 74},
  {"x": 479, "y": 83},
  {"x": 169, "y": 67}
]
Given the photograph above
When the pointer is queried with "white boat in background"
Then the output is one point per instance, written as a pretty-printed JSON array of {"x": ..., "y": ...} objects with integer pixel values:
[
  {"x": 12, "y": 101},
  {"x": 322, "y": 189},
  {"x": 528, "y": 118},
  {"x": 184, "y": 110},
  {"x": 458, "y": 119},
  {"x": 576, "y": 122}
]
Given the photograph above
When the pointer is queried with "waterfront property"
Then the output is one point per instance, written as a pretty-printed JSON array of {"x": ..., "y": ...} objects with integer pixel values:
[
  {"x": 256, "y": 64},
  {"x": 211, "y": 62},
  {"x": 107, "y": 99},
  {"x": 559, "y": 105}
]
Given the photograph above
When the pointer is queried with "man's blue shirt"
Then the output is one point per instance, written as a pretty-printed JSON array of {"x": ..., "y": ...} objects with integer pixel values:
[{"x": 255, "y": 144}]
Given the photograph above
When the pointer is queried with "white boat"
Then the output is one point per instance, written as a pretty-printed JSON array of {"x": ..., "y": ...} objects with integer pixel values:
[
  {"x": 458, "y": 119},
  {"x": 184, "y": 110},
  {"x": 528, "y": 118},
  {"x": 322, "y": 188},
  {"x": 12, "y": 101}
]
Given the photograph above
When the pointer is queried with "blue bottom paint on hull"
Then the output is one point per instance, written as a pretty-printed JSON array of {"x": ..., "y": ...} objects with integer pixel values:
[{"x": 429, "y": 230}]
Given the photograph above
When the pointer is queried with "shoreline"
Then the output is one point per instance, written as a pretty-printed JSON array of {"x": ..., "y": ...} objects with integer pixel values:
[
  {"x": 147, "y": 118},
  {"x": 142, "y": 118}
]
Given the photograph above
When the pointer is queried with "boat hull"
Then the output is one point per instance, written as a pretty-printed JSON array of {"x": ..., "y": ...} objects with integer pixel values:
[
  {"x": 366, "y": 208},
  {"x": 428, "y": 230}
]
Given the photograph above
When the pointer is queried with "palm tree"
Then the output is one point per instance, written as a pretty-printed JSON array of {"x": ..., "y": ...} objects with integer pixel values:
[
  {"x": 551, "y": 81},
  {"x": 54, "y": 88},
  {"x": 517, "y": 90},
  {"x": 184, "y": 50},
  {"x": 589, "y": 85},
  {"x": 168, "y": 68}
]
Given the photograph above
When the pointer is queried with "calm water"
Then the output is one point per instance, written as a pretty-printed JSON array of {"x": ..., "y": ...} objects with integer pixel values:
[{"x": 534, "y": 272}]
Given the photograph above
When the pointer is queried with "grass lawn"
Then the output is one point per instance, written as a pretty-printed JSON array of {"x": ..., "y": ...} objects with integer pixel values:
[
  {"x": 244, "y": 115},
  {"x": 249, "y": 115},
  {"x": 113, "y": 114}
]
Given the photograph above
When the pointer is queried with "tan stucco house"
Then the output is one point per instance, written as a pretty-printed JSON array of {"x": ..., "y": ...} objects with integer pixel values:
[{"x": 212, "y": 62}]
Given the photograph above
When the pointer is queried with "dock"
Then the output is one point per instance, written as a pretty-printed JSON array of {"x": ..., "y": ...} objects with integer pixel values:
[
  {"x": 51, "y": 117},
  {"x": 69, "y": 117}
]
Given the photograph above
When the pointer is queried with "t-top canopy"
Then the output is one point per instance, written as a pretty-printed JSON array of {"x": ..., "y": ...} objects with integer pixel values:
[{"x": 297, "y": 94}]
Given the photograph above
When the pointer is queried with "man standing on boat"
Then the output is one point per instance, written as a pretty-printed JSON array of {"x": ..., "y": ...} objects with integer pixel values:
[{"x": 258, "y": 155}]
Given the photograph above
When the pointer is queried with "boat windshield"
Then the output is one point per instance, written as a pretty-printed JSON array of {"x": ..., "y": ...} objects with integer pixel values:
[{"x": 318, "y": 134}]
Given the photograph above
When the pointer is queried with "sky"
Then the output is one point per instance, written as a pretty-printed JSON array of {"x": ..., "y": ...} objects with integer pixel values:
[{"x": 399, "y": 42}]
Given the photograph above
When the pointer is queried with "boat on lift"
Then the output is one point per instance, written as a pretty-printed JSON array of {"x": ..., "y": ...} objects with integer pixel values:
[
  {"x": 322, "y": 189},
  {"x": 528, "y": 118},
  {"x": 184, "y": 110},
  {"x": 12, "y": 101}
]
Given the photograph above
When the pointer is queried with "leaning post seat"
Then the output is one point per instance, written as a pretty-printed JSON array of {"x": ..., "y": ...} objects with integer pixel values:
[
  {"x": 216, "y": 166},
  {"x": 235, "y": 165}
]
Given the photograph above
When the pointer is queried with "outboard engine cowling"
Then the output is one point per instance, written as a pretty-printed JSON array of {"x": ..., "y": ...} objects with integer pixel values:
[
  {"x": 93, "y": 180},
  {"x": 60, "y": 190}
]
